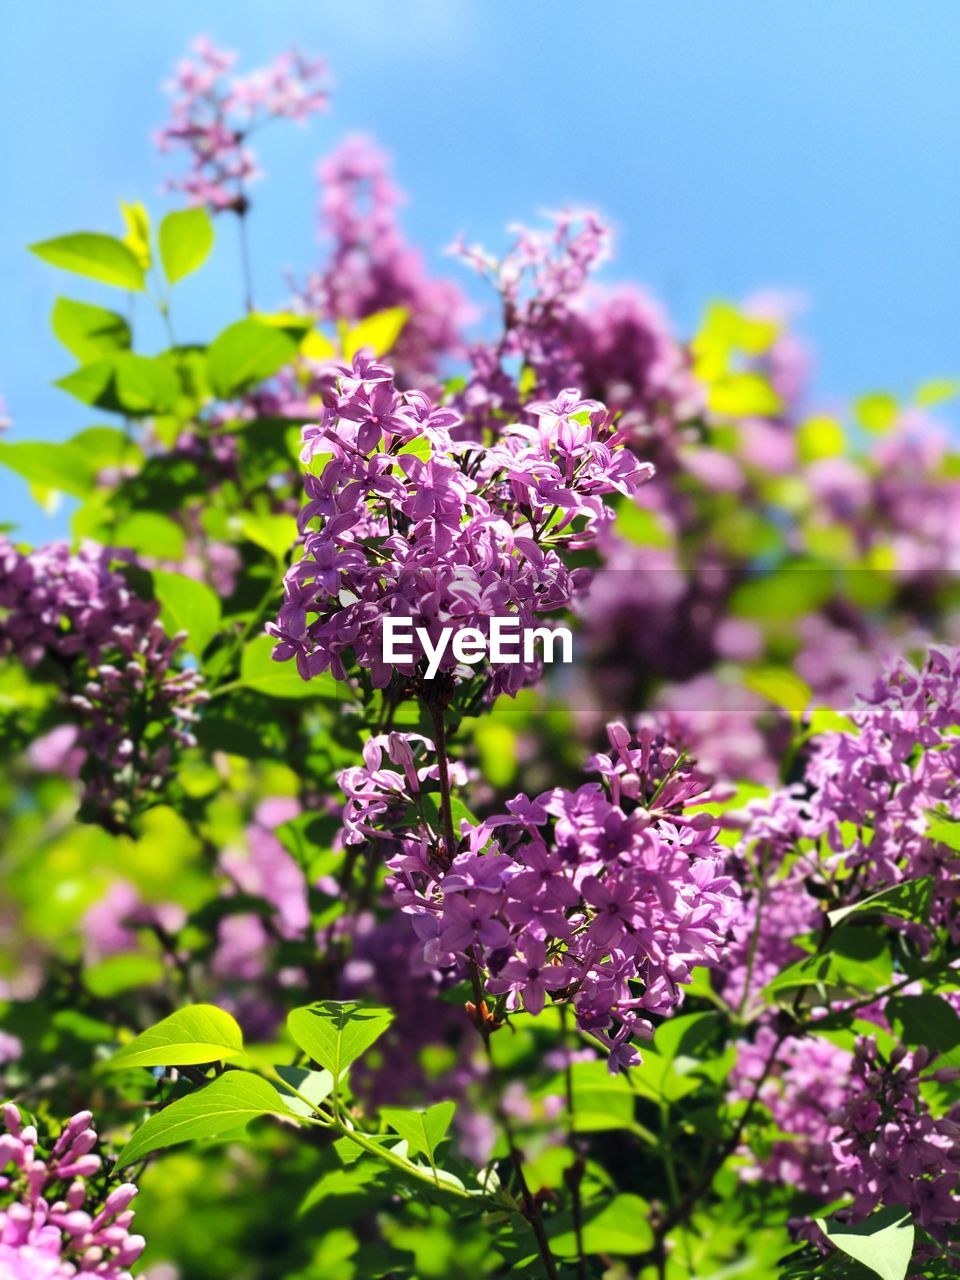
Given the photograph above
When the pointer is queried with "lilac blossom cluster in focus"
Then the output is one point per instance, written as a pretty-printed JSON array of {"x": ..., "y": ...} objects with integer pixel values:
[
  {"x": 577, "y": 895},
  {"x": 413, "y": 525}
]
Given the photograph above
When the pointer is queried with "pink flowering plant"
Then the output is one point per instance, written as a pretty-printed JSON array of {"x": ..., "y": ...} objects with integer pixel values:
[{"x": 357, "y": 956}]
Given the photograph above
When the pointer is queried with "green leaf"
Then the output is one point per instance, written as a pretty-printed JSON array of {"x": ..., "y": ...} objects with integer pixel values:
[
  {"x": 199, "y": 1033},
  {"x": 689, "y": 1035},
  {"x": 152, "y": 535},
  {"x": 782, "y": 687},
  {"x": 937, "y": 390},
  {"x": 947, "y": 833},
  {"x": 186, "y": 238},
  {"x": 884, "y": 1243},
  {"x": 925, "y": 1019},
  {"x": 276, "y": 534},
  {"x": 53, "y": 466},
  {"x": 89, "y": 253},
  {"x": 89, "y": 332},
  {"x": 739, "y": 395},
  {"x": 620, "y": 1227},
  {"x": 246, "y": 353},
  {"x": 600, "y": 1101},
  {"x": 335, "y": 1033},
  {"x": 378, "y": 332},
  {"x": 642, "y": 527},
  {"x": 124, "y": 972},
  {"x": 187, "y": 605},
  {"x": 137, "y": 221},
  {"x": 259, "y": 672},
  {"x": 877, "y": 411},
  {"x": 225, "y": 1105},
  {"x": 820, "y": 437},
  {"x": 107, "y": 447},
  {"x": 909, "y": 900},
  {"x": 423, "y": 1130},
  {"x": 314, "y": 1086},
  {"x": 124, "y": 383},
  {"x": 826, "y": 720}
]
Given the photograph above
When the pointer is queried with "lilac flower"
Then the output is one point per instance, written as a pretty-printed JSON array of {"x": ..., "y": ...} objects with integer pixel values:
[
  {"x": 560, "y": 329},
  {"x": 10, "y": 1048},
  {"x": 213, "y": 113},
  {"x": 608, "y": 905},
  {"x": 861, "y": 1127},
  {"x": 48, "y": 1228},
  {"x": 874, "y": 789},
  {"x": 401, "y": 522},
  {"x": 529, "y": 977},
  {"x": 370, "y": 267},
  {"x": 75, "y": 611},
  {"x": 468, "y": 921}
]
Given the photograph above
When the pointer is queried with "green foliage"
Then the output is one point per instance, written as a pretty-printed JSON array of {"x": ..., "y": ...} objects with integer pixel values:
[
  {"x": 185, "y": 239},
  {"x": 884, "y": 1243},
  {"x": 55, "y": 466},
  {"x": 89, "y": 253},
  {"x": 423, "y": 1131},
  {"x": 377, "y": 333},
  {"x": 195, "y": 1034},
  {"x": 136, "y": 386},
  {"x": 781, "y": 687},
  {"x": 89, "y": 332},
  {"x": 187, "y": 605},
  {"x": 909, "y": 901},
  {"x": 246, "y": 353},
  {"x": 335, "y": 1033},
  {"x": 225, "y": 1106},
  {"x": 259, "y": 672}
]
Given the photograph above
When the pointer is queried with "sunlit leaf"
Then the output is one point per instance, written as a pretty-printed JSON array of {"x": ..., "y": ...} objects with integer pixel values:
[
  {"x": 89, "y": 253},
  {"x": 247, "y": 353},
  {"x": 377, "y": 333},
  {"x": 226, "y": 1105},
  {"x": 87, "y": 331},
  {"x": 196, "y": 1034},
  {"x": 782, "y": 687},
  {"x": 259, "y": 671},
  {"x": 423, "y": 1130},
  {"x": 137, "y": 222},
  {"x": 187, "y": 605},
  {"x": 335, "y": 1033},
  {"x": 884, "y": 1243},
  {"x": 63, "y": 467},
  {"x": 185, "y": 239}
]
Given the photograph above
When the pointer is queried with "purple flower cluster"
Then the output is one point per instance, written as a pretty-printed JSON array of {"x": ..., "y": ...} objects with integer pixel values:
[
  {"x": 859, "y": 1126},
  {"x": 410, "y": 524},
  {"x": 79, "y": 615},
  {"x": 876, "y": 789},
  {"x": 808, "y": 1085},
  {"x": 617, "y": 344},
  {"x": 606, "y": 897},
  {"x": 213, "y": 113},
  {"x": 370, "y": 267},
  {"x": 48, "y": 1229},
  {"x": 888, "y": 1147},
  {"x": 901, "y": 504},
  {"x": 775, "y": 907}
]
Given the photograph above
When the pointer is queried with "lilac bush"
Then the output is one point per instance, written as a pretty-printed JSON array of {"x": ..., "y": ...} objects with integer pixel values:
[{"x": 424, "y": 961}]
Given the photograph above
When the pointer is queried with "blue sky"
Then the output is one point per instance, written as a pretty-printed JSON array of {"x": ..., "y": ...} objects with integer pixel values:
[{"x": 808, "y": 145}]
